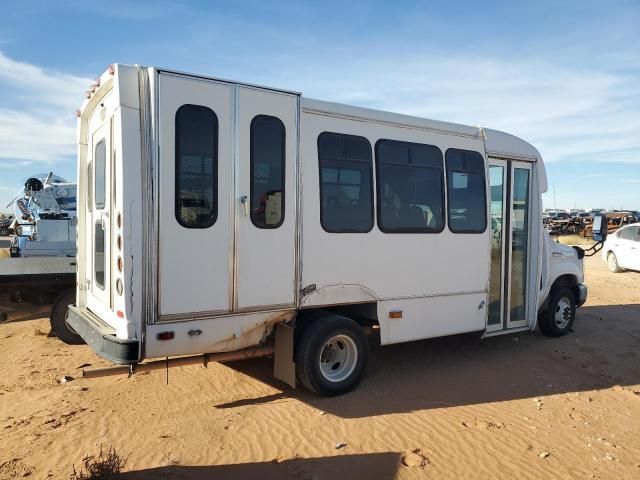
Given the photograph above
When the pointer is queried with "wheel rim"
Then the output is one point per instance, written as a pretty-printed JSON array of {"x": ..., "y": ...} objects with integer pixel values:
[
  {"x": 338, "y": 358},
  {"x": 562, "y": 314},
  {"x": 612, "y": 261}
]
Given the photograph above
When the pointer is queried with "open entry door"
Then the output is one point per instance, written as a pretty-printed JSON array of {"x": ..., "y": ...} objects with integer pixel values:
[{"x": 510, "y": 184}]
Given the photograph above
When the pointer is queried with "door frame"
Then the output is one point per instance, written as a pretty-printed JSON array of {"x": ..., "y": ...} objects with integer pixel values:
[
  {"x": 506, "y": 323},
  {"x": 99, "y": 299},
  {"x": 495, "y": 162}
]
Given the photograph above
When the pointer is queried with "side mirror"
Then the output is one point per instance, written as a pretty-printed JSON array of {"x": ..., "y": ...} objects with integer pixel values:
[{"x": 600, "y": 227}]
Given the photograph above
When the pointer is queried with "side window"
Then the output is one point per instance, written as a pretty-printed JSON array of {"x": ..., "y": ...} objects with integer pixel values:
[
  {"x": 100, "y": 165},
  {"x": 196, "y": 201},
  {"x": 267, "y": 171},
  {"x": 627, "y": 233},
  {"x": 410, "y": 186},
  {"x": 346, "y": 183},
  {"x": 466, "y": 191}
]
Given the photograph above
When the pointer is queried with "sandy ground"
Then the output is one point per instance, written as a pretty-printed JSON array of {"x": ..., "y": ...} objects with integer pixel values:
[{"x": 522, "y": 406}]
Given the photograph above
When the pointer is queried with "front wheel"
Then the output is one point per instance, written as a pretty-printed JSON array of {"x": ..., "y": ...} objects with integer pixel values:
[
  {"x": 331, "y": 355},
  {"x": 58, "y": 319},
  {"x": 557, "y": 320},
  {"x": 612, "y": 263}
]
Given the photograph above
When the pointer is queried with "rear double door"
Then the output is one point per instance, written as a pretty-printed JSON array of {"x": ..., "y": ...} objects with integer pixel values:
[{"x": 227, "y": 197}]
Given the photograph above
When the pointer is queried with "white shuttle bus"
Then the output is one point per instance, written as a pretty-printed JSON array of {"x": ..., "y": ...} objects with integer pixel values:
[{"x": 220, "y": 220}]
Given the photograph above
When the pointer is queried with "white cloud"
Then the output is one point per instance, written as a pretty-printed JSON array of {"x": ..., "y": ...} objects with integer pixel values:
[
  {"x": 566, "y": 112},
  {"x": 39, "y": 126}
]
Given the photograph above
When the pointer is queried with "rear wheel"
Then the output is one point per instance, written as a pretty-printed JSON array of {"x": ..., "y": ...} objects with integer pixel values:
[
  {"x": 58, "y": 319},
  {"x": 612, "y": 263},
  {"x": 331, "y": 355},
  {"x": 557, "y": 320}
]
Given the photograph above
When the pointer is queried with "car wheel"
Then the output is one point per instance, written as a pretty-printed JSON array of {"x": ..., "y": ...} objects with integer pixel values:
[{"x": 612, "y": 263}]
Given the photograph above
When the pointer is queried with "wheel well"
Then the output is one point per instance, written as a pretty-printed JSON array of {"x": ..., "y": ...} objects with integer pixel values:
[
  {"x": 364, "y": 314},
  {"x": 566, "y": 280}
]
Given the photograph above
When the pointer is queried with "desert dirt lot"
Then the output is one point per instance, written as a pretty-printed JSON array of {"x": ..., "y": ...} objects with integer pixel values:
[{"x": 521, "y": 406}]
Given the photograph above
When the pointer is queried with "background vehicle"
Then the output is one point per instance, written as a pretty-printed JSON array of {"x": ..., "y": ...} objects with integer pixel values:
[
  {"x": 249, "y": 219},
  {"x": 42, "y": 249},
  {"x": 621, "y": 250}
]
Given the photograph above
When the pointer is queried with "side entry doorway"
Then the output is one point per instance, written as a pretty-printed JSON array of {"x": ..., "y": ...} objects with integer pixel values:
[{"x": 510, "y": 184}]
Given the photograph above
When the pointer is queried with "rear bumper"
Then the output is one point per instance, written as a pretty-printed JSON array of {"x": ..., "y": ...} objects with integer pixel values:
[
  {"x": 582, "y": 294},
  {"x": 102, "y": 337}
]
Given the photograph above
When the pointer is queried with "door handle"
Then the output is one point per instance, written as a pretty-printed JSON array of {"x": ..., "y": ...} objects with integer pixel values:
[{"x": 244, "y": 201}]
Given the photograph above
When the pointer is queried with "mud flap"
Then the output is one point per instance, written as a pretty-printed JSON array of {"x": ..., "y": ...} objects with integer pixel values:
[{"x": 284, "y": 368}]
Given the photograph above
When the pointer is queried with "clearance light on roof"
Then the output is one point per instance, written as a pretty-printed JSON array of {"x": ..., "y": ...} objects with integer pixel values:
[
  {"x": 78, "y": 113},
  {"x": 87, "y": 94},
  {"x": 111, "y": 69},
  {"x": 97, "y": 82}
]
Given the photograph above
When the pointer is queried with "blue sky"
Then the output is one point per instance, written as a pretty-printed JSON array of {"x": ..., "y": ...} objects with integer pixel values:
[{"x": 563, "y": 75}]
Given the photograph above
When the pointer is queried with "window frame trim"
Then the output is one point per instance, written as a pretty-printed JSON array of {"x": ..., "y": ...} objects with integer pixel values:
[
  {"x": 371, "y": 183},
  {"x": 443, "y": 194},
  {"x": 484, "y": 192},
  {"x": 176, "y": 148},
  {"x": 283, "y": 175}
]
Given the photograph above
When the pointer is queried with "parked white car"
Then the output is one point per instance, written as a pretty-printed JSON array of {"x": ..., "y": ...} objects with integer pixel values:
[{"x": 622, "y": 249}]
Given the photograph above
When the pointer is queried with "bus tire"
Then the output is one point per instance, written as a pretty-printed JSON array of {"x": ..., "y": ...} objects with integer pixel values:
[
  {"x": 331, "y": 355},
  {"x": 557, "y": 320},
  {"x": 58, "y": 319}
]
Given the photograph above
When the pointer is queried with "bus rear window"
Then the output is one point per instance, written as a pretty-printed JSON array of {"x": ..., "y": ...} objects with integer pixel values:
[{"x": 196, "y": 202}]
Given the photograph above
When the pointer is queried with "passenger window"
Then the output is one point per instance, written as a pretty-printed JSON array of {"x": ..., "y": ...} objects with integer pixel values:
[
  {"x": 466, "y": 191},
  {"x": 346, "y": 190},
  {"x": 410, "y": 186},
  {"x": 100, "y": 165},
  {"x": 196, "y": 166},
  {"x": 267, "y": 171}
]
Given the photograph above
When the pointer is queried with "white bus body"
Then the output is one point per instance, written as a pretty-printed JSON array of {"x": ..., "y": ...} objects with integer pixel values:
[{"x": 211, "y": 211}]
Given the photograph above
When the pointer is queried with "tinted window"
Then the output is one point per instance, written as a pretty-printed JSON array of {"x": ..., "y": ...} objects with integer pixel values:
[
  {"x": 98, "y": 254},
  {"x": 346, "y": 191},
  {"x": 267, "y": 171},
  {"x": 100, "y": 165},
  {"x": 196, "y": 166},
  {"x": 410, "y": 187},
  {"x": 466, "y": 191},
  {"x": 627, "y": 233}
]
